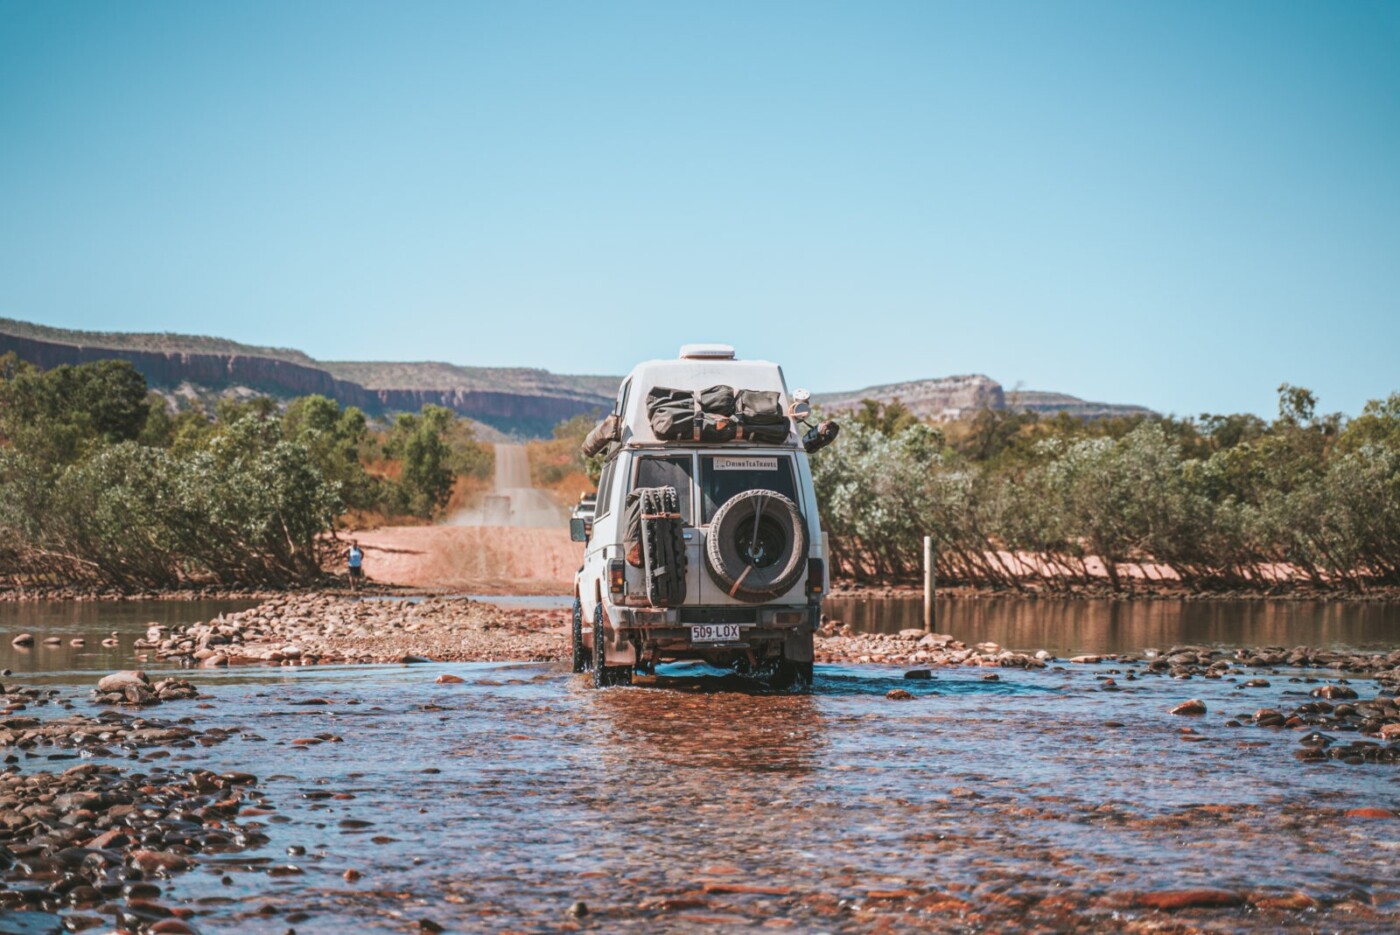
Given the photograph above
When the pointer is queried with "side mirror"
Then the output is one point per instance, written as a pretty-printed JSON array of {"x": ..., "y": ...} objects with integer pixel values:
[{"x": 578, "y": 529}]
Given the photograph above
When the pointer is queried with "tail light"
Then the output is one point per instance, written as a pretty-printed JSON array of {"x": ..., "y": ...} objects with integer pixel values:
[
  {"x": 816, "y": 577},
  {"x": 617, "y": 576}
]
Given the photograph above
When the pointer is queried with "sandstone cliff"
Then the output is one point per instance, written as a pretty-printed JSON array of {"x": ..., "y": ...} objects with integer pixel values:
[
  {"x": 943, "y": 398},
  {"x": 530, "y": 410},
  {"x": 515, "y": 400}
]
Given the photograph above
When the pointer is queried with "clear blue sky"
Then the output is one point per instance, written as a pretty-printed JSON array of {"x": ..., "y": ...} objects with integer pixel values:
[{"x": 1180, "y": 204}]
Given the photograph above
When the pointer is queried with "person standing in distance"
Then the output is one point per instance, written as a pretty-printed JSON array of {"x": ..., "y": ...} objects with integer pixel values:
[{"x": 354, "y": 560}]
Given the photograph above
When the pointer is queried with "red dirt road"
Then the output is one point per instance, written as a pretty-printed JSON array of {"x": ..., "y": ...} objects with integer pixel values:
[{"x": 472, "y": 559}]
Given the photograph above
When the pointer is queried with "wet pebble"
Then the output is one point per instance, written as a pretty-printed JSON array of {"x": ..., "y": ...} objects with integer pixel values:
[{"x": 1193, "y": 707}]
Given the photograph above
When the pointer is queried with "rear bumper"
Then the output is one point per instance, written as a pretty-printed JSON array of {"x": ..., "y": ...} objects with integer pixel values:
[{"x": 780, "y": 618}]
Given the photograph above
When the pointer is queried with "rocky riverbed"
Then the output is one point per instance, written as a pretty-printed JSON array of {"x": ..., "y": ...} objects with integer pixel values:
[
  {"x": 512, "y": 797},
  {"x": 97, "y": 841},
  {"x": 925, "y": 784},
  {"x": 321, "y": 628},
  {"x": 327, "y": 628}
]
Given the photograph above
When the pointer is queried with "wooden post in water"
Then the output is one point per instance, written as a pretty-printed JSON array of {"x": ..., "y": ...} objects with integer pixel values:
[{"x": 928, "y": 584}]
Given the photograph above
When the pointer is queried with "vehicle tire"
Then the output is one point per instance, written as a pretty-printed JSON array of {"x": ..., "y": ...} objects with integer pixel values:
[
  {"x": 756, "y": 549},
  {"x": 605, "y": 676},
  {"x": 663, "y": 545},
  {"x": 580, "y": 653},
  {"x": 792, "y": 676}
]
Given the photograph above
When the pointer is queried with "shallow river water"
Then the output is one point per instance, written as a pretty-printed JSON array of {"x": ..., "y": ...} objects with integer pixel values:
[{"x": 697, "y": 803}]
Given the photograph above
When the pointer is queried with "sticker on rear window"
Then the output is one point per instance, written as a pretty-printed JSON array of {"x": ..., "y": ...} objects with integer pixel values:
[{"x": 746, "y": 464}]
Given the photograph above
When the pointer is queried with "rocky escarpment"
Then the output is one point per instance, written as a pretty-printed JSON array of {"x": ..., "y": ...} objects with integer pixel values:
[
  {"x": 512, "y": 412},
  {"x": 515, "y": 400},
  {"x": 526, "y": 412},
  {"x": 943, "y": 398},
  {"x": 962, "y": 396},
  {"x": 171, "y": 368},
  {"x": 1052, "y": 403}
]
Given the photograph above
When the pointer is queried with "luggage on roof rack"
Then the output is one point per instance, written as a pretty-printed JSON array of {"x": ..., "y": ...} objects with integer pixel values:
[{"x": 717, "y": 414}]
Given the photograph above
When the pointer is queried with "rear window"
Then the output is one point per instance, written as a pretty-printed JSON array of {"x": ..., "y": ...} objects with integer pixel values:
[
  {"x": 723, "y": 476},
  {"x": 671, "y": 471}
]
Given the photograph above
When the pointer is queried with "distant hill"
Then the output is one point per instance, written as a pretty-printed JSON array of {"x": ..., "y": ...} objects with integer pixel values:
[
  {"x": 163, "y": 342},
  {"x": 942, "y": 398},
  {"x": 1052, "y": 403},
  {"x": 947, "y": 398},
  {"x": 515, "y": 401},
  {"x": 518, "y": 401}
]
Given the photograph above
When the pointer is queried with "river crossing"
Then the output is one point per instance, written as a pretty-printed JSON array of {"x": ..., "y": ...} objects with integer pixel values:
[{"x": 500, "y": 802}]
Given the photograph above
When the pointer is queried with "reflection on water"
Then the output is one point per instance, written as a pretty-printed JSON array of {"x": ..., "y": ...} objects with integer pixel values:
[
  {"x": 1067, "y": 627},
  {"x": 91, "y": 622}
]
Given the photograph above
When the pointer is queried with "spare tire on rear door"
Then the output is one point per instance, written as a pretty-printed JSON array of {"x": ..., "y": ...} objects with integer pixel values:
[{"x": 756, "y": 549}]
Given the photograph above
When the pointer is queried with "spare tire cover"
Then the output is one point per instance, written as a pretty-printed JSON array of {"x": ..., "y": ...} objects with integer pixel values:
[{"x": 756, "y": 549}]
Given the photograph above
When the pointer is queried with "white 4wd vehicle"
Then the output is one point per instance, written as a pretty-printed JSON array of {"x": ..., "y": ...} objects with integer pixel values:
[{"x": 704, "y": 542}]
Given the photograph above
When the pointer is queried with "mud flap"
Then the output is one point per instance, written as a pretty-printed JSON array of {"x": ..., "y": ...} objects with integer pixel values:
[{"x": 797, "y": 645}]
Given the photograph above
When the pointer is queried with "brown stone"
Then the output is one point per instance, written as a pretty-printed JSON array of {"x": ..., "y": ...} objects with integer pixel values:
[
  {"x": 1297, "y": 902},
  {"x": 1172, "y": 900},
  {"x": 158, "y": 861},
  {"x": 1370, "y": 813},
  {"x": 1193, "y": 707},
  {"x": 120, "y": 681},
  {"x": 715, "y": 889}
]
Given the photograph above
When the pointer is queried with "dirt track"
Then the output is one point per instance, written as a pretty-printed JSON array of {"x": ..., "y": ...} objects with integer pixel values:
[{"x": 475, "y": 559}]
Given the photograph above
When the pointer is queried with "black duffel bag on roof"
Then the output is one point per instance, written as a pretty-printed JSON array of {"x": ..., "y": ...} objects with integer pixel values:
[
  {"x": 718, "y": 400},
  {"x": 759, "y": 407},
  {"x": 671, "y": 413}
]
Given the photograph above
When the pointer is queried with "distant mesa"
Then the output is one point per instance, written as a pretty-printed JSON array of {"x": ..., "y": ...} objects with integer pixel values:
[
  {"x": 514, "y": 401},
  {"x": 517, "y": 401},
  {"x": 950, "y": 398}
]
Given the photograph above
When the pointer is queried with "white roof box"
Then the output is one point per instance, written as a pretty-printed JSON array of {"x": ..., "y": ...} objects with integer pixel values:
[{"x": 707, "y": 352}]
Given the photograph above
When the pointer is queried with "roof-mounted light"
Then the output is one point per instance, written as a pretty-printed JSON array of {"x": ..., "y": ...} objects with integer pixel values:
[{"x": 707, "y": 352}]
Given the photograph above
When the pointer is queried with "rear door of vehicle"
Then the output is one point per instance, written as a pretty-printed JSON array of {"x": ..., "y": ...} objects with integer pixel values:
[
  {"x": 721, "y": 476},
  {"x": 677, "y": 470}
]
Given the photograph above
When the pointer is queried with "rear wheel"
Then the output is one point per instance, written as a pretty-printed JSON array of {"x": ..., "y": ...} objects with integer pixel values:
[
  {"x": 604, "y": 675},
  {"x": 791, "y": 675},
  {"x": 580, "y": 652}
]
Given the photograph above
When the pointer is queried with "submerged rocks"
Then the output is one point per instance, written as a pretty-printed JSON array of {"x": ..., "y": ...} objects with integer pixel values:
[
  {"x": 107, "y": 732},
  {"x": 1173, "y": 900},
  {"x": 91, "y": 834}
]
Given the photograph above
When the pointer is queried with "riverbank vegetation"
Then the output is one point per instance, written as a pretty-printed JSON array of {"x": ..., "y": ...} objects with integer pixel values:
[
  {"x": 102, "y": 484},
  {"x": 1013, "y": 500}
]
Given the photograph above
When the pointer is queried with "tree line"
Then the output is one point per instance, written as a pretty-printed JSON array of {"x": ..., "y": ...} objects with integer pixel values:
[
  {"x": 1015, "y": 500},
  {"x": 103, "y": 483}
]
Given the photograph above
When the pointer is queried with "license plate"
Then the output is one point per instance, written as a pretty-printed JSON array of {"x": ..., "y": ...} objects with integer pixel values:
[{"x": 715, "y": 633}]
